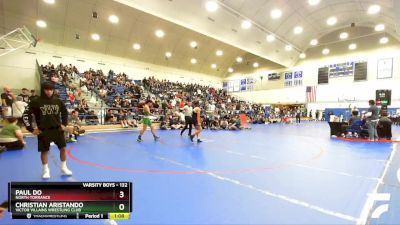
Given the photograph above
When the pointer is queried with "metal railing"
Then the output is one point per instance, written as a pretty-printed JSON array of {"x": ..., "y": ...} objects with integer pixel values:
[{"x": 111, "y": 115}]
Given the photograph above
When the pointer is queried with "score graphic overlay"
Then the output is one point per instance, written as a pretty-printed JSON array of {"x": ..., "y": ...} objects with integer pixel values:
[{"x": 70, "y": 200}]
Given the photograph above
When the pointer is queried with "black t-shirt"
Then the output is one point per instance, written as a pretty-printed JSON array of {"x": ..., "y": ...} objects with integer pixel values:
[
  {"x": 8, "y": 98},
  {"x": 25, "y": 98},
  {"x": 31, "y": 98}
]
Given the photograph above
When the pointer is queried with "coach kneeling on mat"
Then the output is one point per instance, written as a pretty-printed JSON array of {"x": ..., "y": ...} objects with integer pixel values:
[{"x": 47, "y": 110}]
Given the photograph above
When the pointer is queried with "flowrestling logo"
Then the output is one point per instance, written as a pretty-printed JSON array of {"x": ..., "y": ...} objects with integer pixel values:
[{"x": 379, "y": 210}]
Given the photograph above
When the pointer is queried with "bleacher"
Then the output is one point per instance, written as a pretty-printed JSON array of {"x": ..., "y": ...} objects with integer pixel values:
[{"x": 62, "y": 91}]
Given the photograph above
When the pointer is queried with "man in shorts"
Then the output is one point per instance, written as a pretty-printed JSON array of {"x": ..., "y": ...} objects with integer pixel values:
[
  {"x": 147, "y": 121},
  {"x": 47, "y": 110}
]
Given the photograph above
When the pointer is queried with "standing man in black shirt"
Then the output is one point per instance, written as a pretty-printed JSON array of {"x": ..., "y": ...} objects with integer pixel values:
[
  {"x": 33, "y": 95},
  {"x": 24, "y": 95},
  {"x": 7, "y": 99},
  {"x": 188, "y": 111},
  {"x": 51, "y": 118},
  {"x": 298, "y": 115}
]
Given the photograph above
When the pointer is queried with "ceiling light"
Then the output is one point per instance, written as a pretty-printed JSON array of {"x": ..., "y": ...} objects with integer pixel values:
[
  {"x": 239, "y": 59},
  {"x": 230, "y": 70},
  {"x": 379, "y": 27},
  {"x": 270, "y": 38},
  {"x": 246, "y": 24},
  {"x": 352, "y": 46},
  {"x": 41, "y": 23},
  {"x": 276, "y": 13},
  {"x": 302, "y": 55},
  {"x": 113, "y": 19},
  {"x": 374, "y": 9},
  {"x": 168, "y": 54},
  {"x": 331, "y": 21},
  {"x": 288, "y": 48},
  {"x": 193, "y": 44},
  {"x": 213, "y": 65},
  {"x": 136, "y": 46},
  {"x": 344, "y": 35},
  {"x": 313, "y": 2},
  {"x": 298, "y": 30},
  {"x": 255, "y": 65},
  {"x": 219, "y": 52},
  {"x": 160, "y": 33},
  {"x": 325, "y": 51},
  {"x": 95, "y": 37},
  {"x": 193, "y": 61},
  {"x": 49, "y": 1},
  {"x": 212, "y": 6},
  {"x": 384, "y": 40},
  {"x": 314, "y": 42}
]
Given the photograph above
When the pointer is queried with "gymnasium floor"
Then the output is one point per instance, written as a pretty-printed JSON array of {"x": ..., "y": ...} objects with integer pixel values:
[{"x": 273, "y": 174}]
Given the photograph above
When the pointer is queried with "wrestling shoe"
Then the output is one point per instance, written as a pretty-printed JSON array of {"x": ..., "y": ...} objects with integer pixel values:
[
  {"x": 199, "y": 141},
  {"x": 70, "y": 140},
  {"x": 46, "y": 173},
  {"x": 156, "y": 138},
  {"x": 65, "y": 171}
]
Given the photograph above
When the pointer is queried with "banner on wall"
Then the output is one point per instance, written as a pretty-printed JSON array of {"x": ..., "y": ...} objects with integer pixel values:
[
  {"x": 293, "y": 79},
  {"x": 385, "y": 68},
  {"x": 230, "y": 86},
  {"x": 298, "y": 78},
  {"x": 245, "y": 84},
  {"x": 288, "y": 79},
  {"x": 250, "y": 84},
  {"x": 225, "y": 85},
  {"x": 236, "y": 85}
]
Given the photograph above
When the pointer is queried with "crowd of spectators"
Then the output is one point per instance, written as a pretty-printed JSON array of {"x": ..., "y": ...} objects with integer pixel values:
[
  {"x": 218, "y": 107},
  {"x": 124, "y": 99}
]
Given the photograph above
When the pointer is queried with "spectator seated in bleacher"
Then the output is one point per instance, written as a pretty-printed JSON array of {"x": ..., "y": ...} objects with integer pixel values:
[
  {"x": 384, "y": 127},
  {"x": 224, "y": 124},
  {"x": 234, "y": 124},
  {"x": 176, "y": 124},
  {"x": 11, "y": 137},
  {"x": 214, "y": 125},
  {"x": 92, "y": 118},
  {"x": 71, "y": 98},
  {"x": 125, "y": 121},
  {"x": 164, "y": 125},
  {"x": 110, "y": 118}
]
